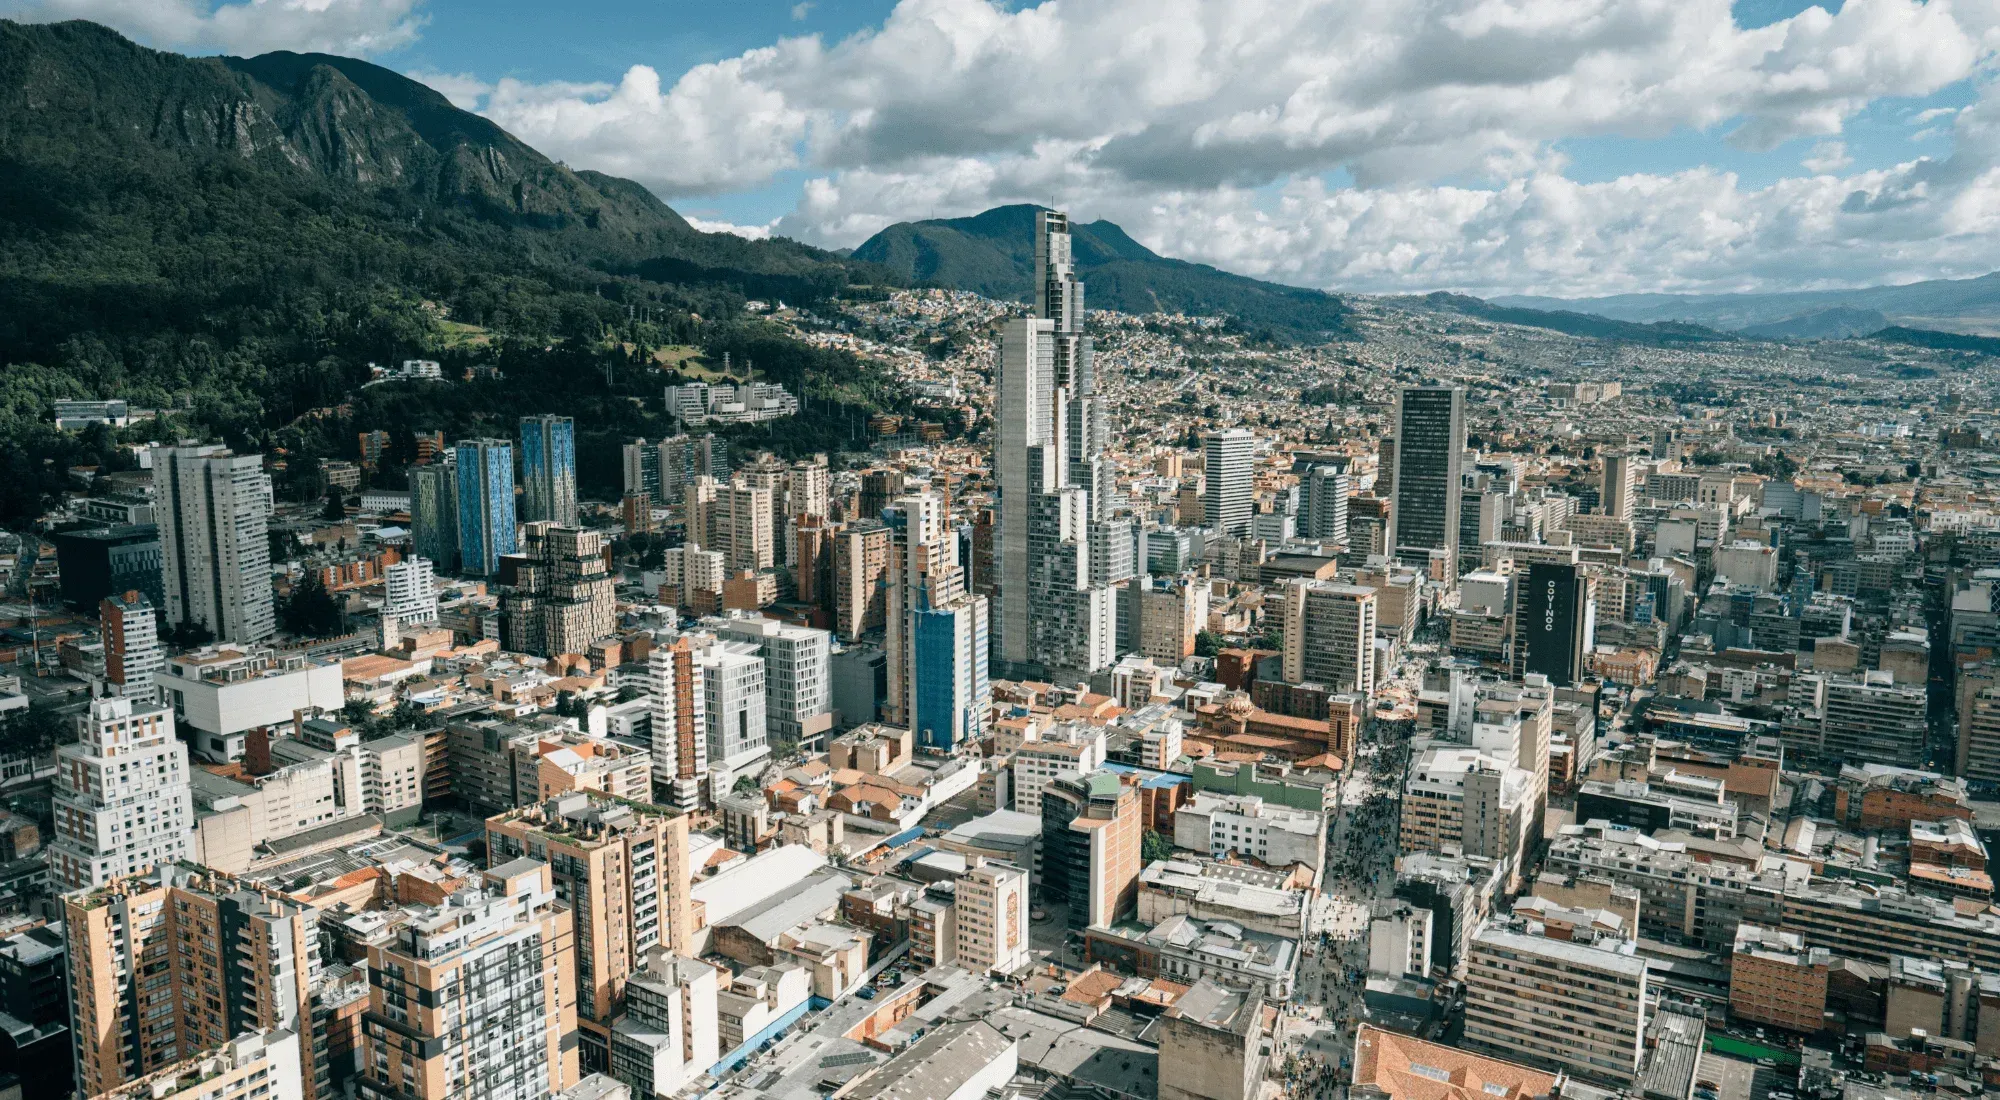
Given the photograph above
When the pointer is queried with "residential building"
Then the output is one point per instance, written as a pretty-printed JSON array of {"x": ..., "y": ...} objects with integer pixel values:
[
  {"x": 257, "y": 1065},
  {"x": 557, "y": 594},
  {"x": 1562, "y": 1004},
  {"x": 1090, "y": 847},
  {"x": 1874, "y": 720},
  {"x": 1226, "y": 464},
  {"x": 991, "y": 907},
  {"x": 1777, "y": 981},
  {"x": 214, "y": 508},
  {"x": 861, "y": 555},
  {"x": 669, "y": 1034},
  {"x": 679, "y": 722},
  {"x": 410, "y": 593},
  {"x": 121, "y": 797},
  {"x": 132, "y": 653}
]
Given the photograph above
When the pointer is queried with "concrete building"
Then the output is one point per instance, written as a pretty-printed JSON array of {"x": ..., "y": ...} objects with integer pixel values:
[
  {"x": 486, "y": 528},
  {"x": 479, "y": 987},
  {"x": 548, "y": 470},
  {"x": 132, "y": 653},
  {"x": 556, "y": 595},
  {"x": 1090, "y": 848},
  {"x": 991, "y": 911},
  {"x": 626, "y": 876},
  {"x": 1330, "y": 635},
  {"x": 1944, "y": 999},
  {"x": 1776, "y": 980},
  {"x": 410, "y": 593},
  {"x": 1574, "y": 1006},
  {"x": 743, "y": 525},
  {"x": 1323, "y": 491},
  {"x": 220, "y": 693},
  {"x": 1226, "y": 462},
  {"x": 257, "y": 1065},
  {"x": 1275, "y": 836},
  {"x": 1213, "y": 1045},
  {"x": 860, "y": 579},
  {"x": 669, "y": 1034},
  {"x": 962, "y": 1060},
  {"x": 1255, "y": 899},
  {"x": 798, "y": 683},
  {"x": 1874, "y": 720},
  {"x": 1399, "y": 939},
  {"x": 1460, "y": 798},
  {"x": 1620, "y": 479},
  {"x": 679, "y": 693},
  {"x": 150, "y": 990},
  {"x": 1426, "y": 486},
  {"x": 732, "y": 680},
  {"x": 214, "y": 513},
  {"x": 121, "y": 796}
]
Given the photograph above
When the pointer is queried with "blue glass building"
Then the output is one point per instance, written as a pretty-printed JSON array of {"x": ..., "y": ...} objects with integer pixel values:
[
  {"x": 485, "y": 504},
  {"x": 548, "y": 470}
]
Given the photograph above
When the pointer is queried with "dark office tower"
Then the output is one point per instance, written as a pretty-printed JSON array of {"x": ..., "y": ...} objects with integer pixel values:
[
  {"x": 1430, "y": 448},
  {"x": 1552, "y": 622},
  {"x": 548, "y": 467},
  {"x": 434, "y": 513},
  {"x": 1323, "y": 496}
]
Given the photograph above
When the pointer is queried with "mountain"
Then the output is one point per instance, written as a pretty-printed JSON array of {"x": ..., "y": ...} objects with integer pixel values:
[
  {"x": 237, "y": 238},
  {"x": 1951, "y": 305},
  {"x": 1567, "y": 321},
  {"x": 1832, "y": 323},
  {"x": 993, "y": 254}
]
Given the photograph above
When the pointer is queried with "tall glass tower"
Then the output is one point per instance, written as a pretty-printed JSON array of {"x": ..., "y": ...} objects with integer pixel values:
[
  {"x": 485, "y": 504},
  {"x": 548, "y": 470},
  {"x": 1430, "y": 451}
]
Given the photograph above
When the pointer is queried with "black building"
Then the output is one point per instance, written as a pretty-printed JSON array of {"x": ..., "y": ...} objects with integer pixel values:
[
  {"x": 34, "y": 999},
  {"x": 1430, "y": 451},
  {"x": 99, "y": 561},
  {"x": 1552, "y": 622}
]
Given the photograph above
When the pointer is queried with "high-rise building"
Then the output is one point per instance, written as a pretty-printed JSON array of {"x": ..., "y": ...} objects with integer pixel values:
[
  {"x": 1090, "y": 847},
  {"x": 1323, "y": 491},
  {"x": 742, "y": 524},
  {"x": 1330, "y": 635},
  {"x": 257, "y": 1065},
  {"x": 680, "y": 722},
  {"x": 96, "y": 562},
  {"x": 1559, "y": 1004},
  {"x": 166, "y": 966},
  {"x": 936, "y": 634},
  {"x": 214, "y": 509},
  {"x": 670, "y": 1034},
  {"x": 1874, "y": 720},
  {"x": 485, "y": 504},
  {"x": 860, "y": 579},
  {"x": 1228, "y": 501},
  {"x": 798, "y": 681},
  {"x": 122, "y": 804},
  {"x": 1553, "y": 622},
  {"x": 1430, "y": 451},
  {"x": 992, "y": 912},
  {"x": 132, "y": 652},
  {"x": 474, "y": 995},
  {"x": 1619, "y": 479},
  {"x": 623, "y": 869},
  {"x": 732, "y": 679},
  {"x": 548, "y": 470},
  {"x": 1054, "y": 482},
  {"x": 410, "y": 592},
  {"x": 434, "y": 512},
  {"x": 557, "y": 594},
  {"x": 641, "y": 466}
]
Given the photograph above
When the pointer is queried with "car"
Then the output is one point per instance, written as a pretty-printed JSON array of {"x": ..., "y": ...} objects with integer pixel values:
[{"x": 867, "y": 993}]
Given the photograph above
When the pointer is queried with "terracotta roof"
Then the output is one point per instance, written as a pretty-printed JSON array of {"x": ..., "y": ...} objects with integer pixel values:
[
  {"x": 1093, "y": 987},
  {"x": 1408, "y": 1068}
]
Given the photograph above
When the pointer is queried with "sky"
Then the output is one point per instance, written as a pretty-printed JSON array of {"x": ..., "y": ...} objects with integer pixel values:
[{"x": 1565, "y": 147}]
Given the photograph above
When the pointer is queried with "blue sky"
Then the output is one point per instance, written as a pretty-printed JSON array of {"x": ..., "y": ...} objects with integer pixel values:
[{"x": 1549, "y": 146}]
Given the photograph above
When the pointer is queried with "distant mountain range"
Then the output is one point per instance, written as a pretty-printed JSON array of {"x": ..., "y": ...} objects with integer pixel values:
[
  {"x": 993, "y": 254},
  {"x": 1945, "y": 305}
]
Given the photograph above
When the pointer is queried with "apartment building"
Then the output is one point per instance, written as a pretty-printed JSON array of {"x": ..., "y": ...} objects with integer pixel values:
[
  {"x": 1873, "y": 923},
  {"x": 625, "y": 873},
  {"x": 122, "y": 804},
  {"x": 470, "y": 997},
  {"x": 1062, "y": 750},
  {"x": 258, "y": 1065},
  {"x": 1683, "y": 898},
  {"x": 668, "y": 1035},
  {"x": 1776, "y": 980},
  {"x": 1567, "y": 1005},
  {"x": 1246, "y": 825},
  {"x": 1461, "y": 798},
  {"x": 1090, "y": 847},
  {"x": 991, "y": 911}
]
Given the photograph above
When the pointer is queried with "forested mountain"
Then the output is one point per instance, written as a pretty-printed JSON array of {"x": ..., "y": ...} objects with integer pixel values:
[
  {"x": 238, "y": 238},
  {"x": 993, "y": 254},
  {"x": 1953, "y": 305}
]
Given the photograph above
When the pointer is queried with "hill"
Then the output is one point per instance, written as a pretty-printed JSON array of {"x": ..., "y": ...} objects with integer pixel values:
[
  {"x": 993, "y": 254},
  {"x": 1572, "y": 323},
  {"x": 1832, "y": 323},
  {"x": 1951, "y": 305},
  {"x": 236, "y": 238}
]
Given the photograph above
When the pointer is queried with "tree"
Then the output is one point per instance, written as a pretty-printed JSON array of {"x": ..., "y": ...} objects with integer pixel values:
[
  {"x": 335, "y": 508},
  {"x": 1155, "y": 846},
  {"x": 34, "y": 731},
  {"x": 1207, "y": 643},
  {"x": 310, "y": 610},
  {"x": 745, "y": 784},
  {"x": 189, "y": 635},
  {"x": 357, "y": 712},
  {"x": 628, "y": 693}
]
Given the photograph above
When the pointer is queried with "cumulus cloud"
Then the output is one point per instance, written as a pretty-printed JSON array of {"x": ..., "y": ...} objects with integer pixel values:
[
  {"x": 354, "y": 27},
  {"x": 752, "y": 232},
  {"x": 1827, "y": 156},
  {"x": 466, "y": 91}
]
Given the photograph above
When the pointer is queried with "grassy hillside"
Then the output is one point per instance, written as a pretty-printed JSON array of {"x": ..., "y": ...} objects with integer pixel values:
[{"x": 993, "y": 254}]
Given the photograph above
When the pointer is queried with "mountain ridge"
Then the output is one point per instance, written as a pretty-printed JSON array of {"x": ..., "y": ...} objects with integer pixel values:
[{"x": 1969, "y": 305}]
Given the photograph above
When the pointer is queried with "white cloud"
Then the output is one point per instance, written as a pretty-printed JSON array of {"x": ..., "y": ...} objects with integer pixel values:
[
  {"x": 354, "y": 27},
  {"x": 753, "y": 232},
  {"x": 1827, "y": 156},
  {"x": 1932, "y": 115},
  {"x": 801, "y": 10},
  {"x": 465, "y": 90}
]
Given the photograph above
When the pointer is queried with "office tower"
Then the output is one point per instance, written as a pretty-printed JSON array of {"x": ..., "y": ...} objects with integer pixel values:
[
  {"x": 132, "y": 652},
  {"x": 1481, "y": 513},
  {"x": 1053, "y": 479},
  {"x": 1090, "y": 847},
  {"x": 623, "y": 869},
  {"x": 1227, "y": 504},
  {"x": 670, "y": 1034},
  {"x": 548, "y": 470},
  {"x": 680, "y": 722},
  {"x": 879, "y": 489},
  {"x": 798, "y": 681},
  {"x": 1553, "y": 623},
  {"x": 434, "y": 513},
  {"x": 479, "y": 990},
  {"x": 1616, "y": 494},
  {"x": 122, "y": 804},
  {"x": 1323, "y": 502},
  {"x": 410, "y": 593},
  {"x": 1113, "y": 546},
  {"x": 1430, "y": 448},
  {"x": 992, "y": 912},
  {"x": 742, "y": 524},
  {"x": 861, "y": 556},
  {"x": 214, "y": 508},
  {"x": 1330, "y": 635},
  {"x": 557, "y": 594},
  {"x": 485, "y": 504},
  {"x": 936, "y": 634},
  {"x": 732, "y": 679},
  {"x": 1166, "y": 615},
  {"x": 1874, "y": 720},
  {"x": 1558, "y": 1004},
  {"x": 166, "y": 966},
  {"x": 641, "y": 465},
  {"x": 104, "y": 561}
]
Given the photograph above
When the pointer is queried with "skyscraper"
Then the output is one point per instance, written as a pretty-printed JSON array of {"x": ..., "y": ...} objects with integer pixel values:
[
  {"x": 434, "y": 513},
  {"x": 548, "y": 469},
  {"x": 680, "y": 722},
  {"x": 214, "y": 511},
  {"x": 132, "y": 652},
  {"x": 1226, "y": 465},
  {"x": 939, "y": 686},
  {"x": 1430, "y": 449},
  {"x": 1053, "y": 480},
  {"x": 556, "y": 595},
  {"x": 122, "y": 803},
  {"x": 485, "y": 504},
  {"x": 1323, "y": 497},
  {"x": 1553, "y": 623},
  {"x": 1616, "y": 496}
]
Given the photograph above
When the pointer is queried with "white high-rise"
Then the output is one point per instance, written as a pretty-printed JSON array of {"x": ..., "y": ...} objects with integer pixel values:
[
  {"x": 1226, "y": 460},
  {"x": 798, "y": 681},
  {"x": 214, "y": 510},
  {"x": 738, "y": 737},
  {"x": 410, "y": 593},
  {"x": 122, "y": 804},
  {"x": 1053, "y": 478}
]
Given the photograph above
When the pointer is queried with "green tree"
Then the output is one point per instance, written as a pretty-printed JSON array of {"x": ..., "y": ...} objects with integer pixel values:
[
  {"x": 1207, "y": 643},
  {"x": 1155, "y": 846},
  {"x": 335, "y": 508},
  {"x": 310, "y": 611},
  {"x": 36, "y": 730}
]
